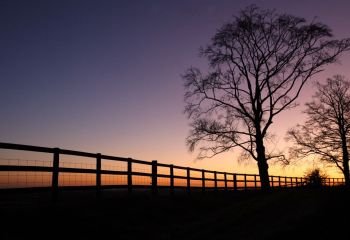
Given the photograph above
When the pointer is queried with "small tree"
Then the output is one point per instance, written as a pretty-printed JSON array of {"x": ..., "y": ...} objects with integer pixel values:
[
  {"x": 315, "y": 178},
  {"x": 326, "y": 131},
  {"x": 258, "y": 64}
]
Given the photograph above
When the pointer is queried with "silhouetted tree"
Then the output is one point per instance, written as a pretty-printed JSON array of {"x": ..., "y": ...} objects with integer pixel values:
[
  {"x": 326, "y": 132},
  {"x": 258, "y": 64},
  {"x": 315, "y": 178}
]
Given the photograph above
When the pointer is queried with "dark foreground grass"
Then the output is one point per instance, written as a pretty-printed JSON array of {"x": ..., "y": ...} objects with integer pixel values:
[{"x": 287, "y": 214}]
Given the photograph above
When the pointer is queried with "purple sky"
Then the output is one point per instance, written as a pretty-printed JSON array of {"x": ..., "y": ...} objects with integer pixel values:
[{"x": 105, "y": 76}]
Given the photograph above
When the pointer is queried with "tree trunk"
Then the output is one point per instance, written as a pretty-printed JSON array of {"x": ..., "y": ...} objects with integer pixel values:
[
  {"x": 262, "y": 164},
  {"x": 346, "y": 162},
  {"x": 346, "y": 173},
  {"x": 346, "y": 165}
]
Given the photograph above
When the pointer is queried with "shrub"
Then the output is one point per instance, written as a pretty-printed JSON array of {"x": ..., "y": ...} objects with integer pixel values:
[{"x": 315, "y": 178}]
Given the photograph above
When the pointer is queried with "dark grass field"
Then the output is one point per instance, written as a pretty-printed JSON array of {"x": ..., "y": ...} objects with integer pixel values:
[{"x": 284, "y": 214}]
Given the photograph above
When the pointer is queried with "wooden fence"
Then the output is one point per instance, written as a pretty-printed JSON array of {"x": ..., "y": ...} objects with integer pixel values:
[{"x": 218, "y": 180}]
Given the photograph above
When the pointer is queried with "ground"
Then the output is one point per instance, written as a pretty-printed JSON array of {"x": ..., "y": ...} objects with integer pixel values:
[{"x": 283, "y": 214}]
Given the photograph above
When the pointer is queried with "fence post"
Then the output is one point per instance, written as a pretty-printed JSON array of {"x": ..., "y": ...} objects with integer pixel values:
[
  {"x": 154, "y": 177},
  {"x": 203, "y": 180},
  {"x": 188, "y": 180},
  {"x": 55, "y": 171},
  {"x": 272, "y": 182},
  {"x": 235, "y": 182},
  {"x": 98, "y": 174},
  {"x": 225, "y": 178},
  {"x": 291, "y": 182},
  {"x": 296, "y": 182},
  {"x": 130, "y": 176},
  {"x": 215, "y": 182},
  {"x": 172, "y": 179},
  {"x": 245, "y": 182},
  {"x": 279, "y": 181},
  {"x": 285, "y": 182},
  {"x": 255, "y": 182}
]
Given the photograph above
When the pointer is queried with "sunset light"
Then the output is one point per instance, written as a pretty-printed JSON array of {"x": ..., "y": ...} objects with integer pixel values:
[
  {"x": 107, "y": 78},
  {"x": 131, "y": 100}
]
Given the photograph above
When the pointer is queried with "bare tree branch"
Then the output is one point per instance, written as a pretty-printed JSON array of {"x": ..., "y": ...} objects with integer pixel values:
[
  {"x": 258, "y": 65},
  {"x": 326, "y": 131}
]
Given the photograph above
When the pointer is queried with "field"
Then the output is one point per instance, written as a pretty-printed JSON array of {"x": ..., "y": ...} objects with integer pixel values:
[{"x": 284, "y": 214}]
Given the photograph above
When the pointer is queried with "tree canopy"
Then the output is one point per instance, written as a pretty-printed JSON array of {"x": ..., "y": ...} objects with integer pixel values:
[
  {"x": 258, "y": 64},
  {"x": 326, "y": 132}
]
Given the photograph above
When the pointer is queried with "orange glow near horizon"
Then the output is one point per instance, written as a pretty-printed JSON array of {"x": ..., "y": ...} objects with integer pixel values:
[
  {"x": 86, "y": 87},
  {"x": 43, "y": 179}
]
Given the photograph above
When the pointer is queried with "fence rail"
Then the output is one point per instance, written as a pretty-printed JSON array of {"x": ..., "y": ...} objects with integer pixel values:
[{"x": 205, "y": 179}]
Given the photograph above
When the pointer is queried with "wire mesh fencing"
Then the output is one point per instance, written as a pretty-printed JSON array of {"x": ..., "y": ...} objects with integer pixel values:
[{"x": 55, "y": 168}]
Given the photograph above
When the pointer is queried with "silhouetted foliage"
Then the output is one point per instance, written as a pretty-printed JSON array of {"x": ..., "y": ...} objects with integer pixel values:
[
  {"x": 326, "y": 131},
  {"x": 315, "y": 178},
  {"x": 258, "y": 64}
]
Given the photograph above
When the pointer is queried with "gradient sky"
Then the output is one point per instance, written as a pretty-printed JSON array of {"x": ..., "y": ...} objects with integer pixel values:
[{"x": 105, "y": 76}]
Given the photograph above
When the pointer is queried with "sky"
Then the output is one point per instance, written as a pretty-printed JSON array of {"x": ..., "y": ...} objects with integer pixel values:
[{"x": 105, "y": 76}]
